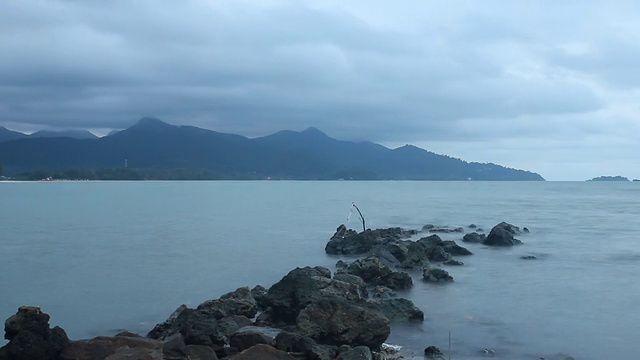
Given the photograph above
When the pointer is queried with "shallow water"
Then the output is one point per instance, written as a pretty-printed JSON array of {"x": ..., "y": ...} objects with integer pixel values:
[{"x": 103, "y": 256}]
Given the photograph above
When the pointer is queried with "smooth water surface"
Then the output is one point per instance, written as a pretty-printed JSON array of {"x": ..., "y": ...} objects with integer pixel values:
[{"x": 104, "y": 256}]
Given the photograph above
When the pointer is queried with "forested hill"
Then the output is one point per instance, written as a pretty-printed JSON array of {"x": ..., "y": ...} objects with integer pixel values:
[{"x": 309, "y": 154}]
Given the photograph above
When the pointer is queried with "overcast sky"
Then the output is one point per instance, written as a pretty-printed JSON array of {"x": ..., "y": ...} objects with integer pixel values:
[{"x": 547, "y": 86}]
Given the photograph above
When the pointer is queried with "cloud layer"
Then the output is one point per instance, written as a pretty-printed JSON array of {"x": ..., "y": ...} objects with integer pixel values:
[{"x": 549, "y": 87}]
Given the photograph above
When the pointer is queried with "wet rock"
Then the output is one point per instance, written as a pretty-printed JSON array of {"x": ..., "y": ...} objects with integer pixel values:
[
  {"x": 381, "y": 292},
  {"x": 262, "y": 352},
  {"x": 373, "y": 272},
  {"x": 472, "y": 226},
  {"x": 474, "y": 237},
  {"x": 356, "y": 353},
  {"x": 453, "y": 262},
  {"x": 503, "y": 235},
  {"x": 258, "y": 293},
  {"x": 436, "y": 275},
  {"x": 444, "y": 230},
  {"x": 528, "y": 257},
  {"x": 231, "y": 324},
  {"x": 416, "y": 257},
  {"x": 396, "y": 309},
  {"x": 349, "y": 242},
  {"x": 525, "y": 230},
  {"x": 301, "y": 287},
  {"x": 341, "y": 264},
  {"x": 30, "y": 337},
  {"x": 245, "y": 339},
  {"x": 432, "y": 352},
  {"x": 334, "y": 321},
  {"x": 437, "y": 254},
  {"x": 454, "y": 249},
  {"x": 113, "y": 348},
  {"x": 196, "y": 327},
  {"x": 238, "y": 302}
]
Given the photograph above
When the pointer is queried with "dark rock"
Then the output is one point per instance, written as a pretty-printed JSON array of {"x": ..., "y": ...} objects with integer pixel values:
[
  {"x": 416, "y": 257},
  {"x": 502, "y": 235},
  {"x": 198, "y": 352},
  {"x": 428, "y": 227},
  {"x": 472, "y": 226},
  {"x": 446, "y": 230},
  {"x": 30, "y": 337},
  {"x": 528, "y": 257},
  {"x": 381, "y": 292},
  {"x": 323, "y": 352},
  {"x": 396, "y": 309},
  {"x": 432, "y": 352},
  {"x": 525, "y": 230},
  {"x": 474, "y": 237},
  {"x": 429, "y": 241},
  {"x": 113, "y": 347},
  {"x": 302, "y": 286},
  {"x": 258, "y": 293},
  {"x": 262, "y": 352},
  {"x": 243, "y": 340},
  {"x": 335, "y": 321},
  {"x": 437, "y": 254},
  {"x": 351, "y": 279},
  {"x": 341, "y": 264},
  {"x": 384, "y": 255},
  {"x": 373, "y": 272},
  {"x": 294, "y": 342},
  {"x": 356, "y": 353},
  {"x": 453, "y": 262},
  {"x": 196, "y": 327},
  {"x": 349, "y": 242},
  {"x": 436, "y": 275},
  {"x": 238, "y": 302},
  {"x": 398, "y": 250},
  {"x": 454, "y": 249},
  {"x": 231, "y": 324}
]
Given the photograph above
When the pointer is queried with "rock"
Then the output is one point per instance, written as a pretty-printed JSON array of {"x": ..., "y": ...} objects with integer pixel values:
[
  {"x": 196, "y": 327},
  {"x": 396, "y": 309},
  {"x": 30, "y": 337},
  {"x": 454, "y": 249},
  {"x": 238, "y": 302},
  {"x": 373, "y": 272},
  {"x": 428, "y": 227},
  {"x": 502, "y": 235},
  {"x": 416, "y": 257},
  {"x": 472, "y": 226},
  {"x": 258, "y": 293},
  {"x": 398, "y": 251},
  {"x": 436, "y": 275},
  {"x": 356, "y": 353},
  {"x": 341, "y": 264},
  {"x": 453, "y": 262},
  {"x": 351, "y": 279},
  {"x": 474, "y": 237},
  {"x": 446, "y": 230},
  {"x": 302, "y": 286},
  {"x": 262, "y": 352},
  {"x": 429, "y": 241},
  {"x": 304, "y": 345},
  {"x": 349, "y": 242},
  {"x": 243, "y": 340},
  {"x": 335, "y": 321},
  {"x": 112, "y": 348},
  {"x": 528, "y": 257},
  {"x": 524, "y": 229},
  {"x": 432, "y": 352},
  {"x": 437, "y": 254},
  {"x": 381, "y": 292},
  {"x": 231, "y": 324},
  {"x": 199, "y": 352}
]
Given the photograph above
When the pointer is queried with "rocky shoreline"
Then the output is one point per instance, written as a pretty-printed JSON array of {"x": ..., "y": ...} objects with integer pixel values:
[{"x": 309, "y": 314}]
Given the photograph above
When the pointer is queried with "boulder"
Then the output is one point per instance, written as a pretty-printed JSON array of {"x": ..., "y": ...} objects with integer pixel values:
[
  {"x": 335, "y": 321},
  {"x": 396, "y": 309},
  {"x": 437, "y": 254},
  {"x": 454, "y": 249},
  {"x": 113, "y": 348},
  {"x": 416, "y": 257},
  {"x": 432, "y": 352},
  {"x": 381, "y": 292},
  {"x": 238, "y": 302},
  {"x": 503, "y": 235},
  {"x": 245, "y": 339},
  {"x": 30, "y": 337},
  {"x": 373, "y": 272},
  {"x": 305, "y": 346},
  {"x": 262, "y": 352},
  {"x": 474, "y": 237},
  {"x": 349, "y": 242},
  {"x": 258, "y": 293},
  {"x": 302, "y": 286},
  {"x": 196, "y": 327},
  {"x": 436, "y": 275},
  {"x": 453, "y": 262},
  {"x": 356, "y": 353},
  {"x": 232, "y": 324}
]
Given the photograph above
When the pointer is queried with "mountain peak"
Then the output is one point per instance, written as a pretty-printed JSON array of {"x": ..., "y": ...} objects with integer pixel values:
[
  {"x": 150, "y": 121},
  {"x": 313, "y": 131}
]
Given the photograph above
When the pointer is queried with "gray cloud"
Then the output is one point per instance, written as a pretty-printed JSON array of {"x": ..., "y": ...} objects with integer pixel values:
[{"x": 486, "y": 74}]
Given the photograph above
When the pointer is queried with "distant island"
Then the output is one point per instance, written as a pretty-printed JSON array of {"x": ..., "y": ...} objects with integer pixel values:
[
  {"x": 153, "y": 149},
  {"x": 610, "y": 178}
]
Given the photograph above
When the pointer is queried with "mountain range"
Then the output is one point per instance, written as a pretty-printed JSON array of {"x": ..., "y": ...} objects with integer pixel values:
[{"x": 305, "y": 155}]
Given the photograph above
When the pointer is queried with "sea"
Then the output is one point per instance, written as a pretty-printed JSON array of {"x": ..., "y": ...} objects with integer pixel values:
[{"x": 100, "y": 257}]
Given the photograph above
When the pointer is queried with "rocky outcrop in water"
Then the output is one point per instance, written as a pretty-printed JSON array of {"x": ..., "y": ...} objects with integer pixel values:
[
  {"x": 349, "y": 242},
  {"x": 503, "y": 235},
  {"x": 436, "y": 275}
]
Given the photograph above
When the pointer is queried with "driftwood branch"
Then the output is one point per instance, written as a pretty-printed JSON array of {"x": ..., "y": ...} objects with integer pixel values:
[{"x": 364, "y": 227}]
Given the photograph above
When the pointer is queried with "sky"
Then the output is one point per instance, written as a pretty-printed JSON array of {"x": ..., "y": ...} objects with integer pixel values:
[{"x": 547, "y": 86}]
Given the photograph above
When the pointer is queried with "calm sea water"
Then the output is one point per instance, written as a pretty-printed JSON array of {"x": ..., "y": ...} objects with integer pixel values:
[{"x": 104, "y": 256}]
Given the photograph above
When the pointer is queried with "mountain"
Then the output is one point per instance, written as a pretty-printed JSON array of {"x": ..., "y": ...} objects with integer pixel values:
[
  {"x": 74, "y": 134},
  {"x": 310, "y": 154},
  {"x": 609, "y": 178},
  {"x": 6, "y": 134}
]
